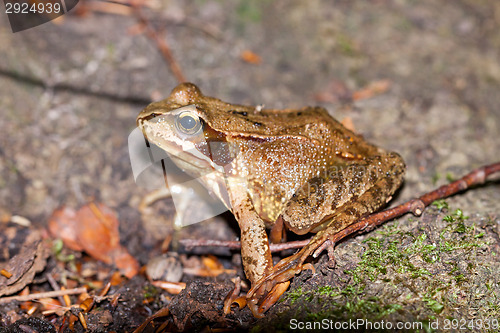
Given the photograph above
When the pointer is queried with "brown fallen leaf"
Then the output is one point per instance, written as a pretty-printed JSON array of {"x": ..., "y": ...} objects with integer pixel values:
[
  {"x": 30, "y": 260},
  {"x": 250, "y": 57},
  {"x": 211, "y": 262},
  {"x": 116, "y": 279},
  {"x": 93, "y": 229},
  {"x": 333, "y": 92},
  {"x": 98, "y": 231},
  {"x": 208, "y": 267},
  {"x": 171, "y": 287},
  {"x": 127, "y": 264},
  {"x": 337, "y": 91},
  {"x": 50, "y": 303},
  {"x": 372, "y": 89},
  {"x": 62, "y": 224}
]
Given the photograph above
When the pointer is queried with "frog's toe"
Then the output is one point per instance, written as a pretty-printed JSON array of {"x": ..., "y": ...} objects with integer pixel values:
[
  {"x": 234, "y": 297},
  {"x": 329, "y": 245},
  {"x": 241, "y": 301},
  {"x": 273, "y": 296},
  {"x": 269, "y": 289}
]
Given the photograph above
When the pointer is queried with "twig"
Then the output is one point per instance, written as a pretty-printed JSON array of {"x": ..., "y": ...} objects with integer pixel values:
[
  {"x": 161, "y": 44},
  {"x": 235, "y": 245},
  {"x": 416, "y": 206},
  {"x": 53, "y": 283},
  {"x": 191, "y": 243},
  {"x": 48, "y": 294}
]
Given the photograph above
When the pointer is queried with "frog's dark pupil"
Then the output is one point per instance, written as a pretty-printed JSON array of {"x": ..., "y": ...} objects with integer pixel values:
[{"x": 188, "y": 122}]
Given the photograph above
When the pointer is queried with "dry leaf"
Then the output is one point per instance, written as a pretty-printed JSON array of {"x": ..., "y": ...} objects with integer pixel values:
[
  {"x": 251, "y": 57},
  {"x": 127, "y": 264},
  {"x": 209, "y": 267},
  {"x": 93, "y": 229},
  {"x": 116, "y": 279},
  {"x": 98, "y": 231},
  {"x": 211, "y": 262},
  {"x": 334, "y": 92},
  {"x": 171, "y": 287},
  {"x": 50, "y": 303},
  {"x": 372, "y": 89},
  {"x": 30, "y": 260},
  {"x": 62, "y": 224}
]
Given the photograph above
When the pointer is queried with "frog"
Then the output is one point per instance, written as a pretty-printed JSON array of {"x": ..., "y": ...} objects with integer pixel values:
[{"x": 296, "y": 170}]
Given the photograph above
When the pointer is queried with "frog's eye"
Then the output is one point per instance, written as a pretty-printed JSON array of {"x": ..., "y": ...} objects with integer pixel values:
[{"x": 188, "y": 123}]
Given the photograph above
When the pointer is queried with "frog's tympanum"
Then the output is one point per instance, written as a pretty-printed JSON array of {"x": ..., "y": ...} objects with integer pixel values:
[{"x": 295, "y": 169}]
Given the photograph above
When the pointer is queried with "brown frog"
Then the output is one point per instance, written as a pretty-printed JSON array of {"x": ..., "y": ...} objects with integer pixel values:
[{"x": 295, "y": 169}]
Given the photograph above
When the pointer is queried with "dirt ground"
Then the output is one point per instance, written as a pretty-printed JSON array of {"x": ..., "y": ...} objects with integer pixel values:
[{"x": 70, "y": 92}]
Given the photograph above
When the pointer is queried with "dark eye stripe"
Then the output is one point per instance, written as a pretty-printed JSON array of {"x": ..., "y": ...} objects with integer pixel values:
[{"x": 151, "y": 116}]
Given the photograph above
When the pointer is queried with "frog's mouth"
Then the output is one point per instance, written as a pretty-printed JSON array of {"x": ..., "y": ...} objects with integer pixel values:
[
  {"x": 183, "y": 153},
  {"x": 191, "y": 162}
]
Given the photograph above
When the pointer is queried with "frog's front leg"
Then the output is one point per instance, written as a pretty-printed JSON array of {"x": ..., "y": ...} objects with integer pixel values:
[
  {"x": 255, "y": 253},
  {"x": 331, "y": 202}
]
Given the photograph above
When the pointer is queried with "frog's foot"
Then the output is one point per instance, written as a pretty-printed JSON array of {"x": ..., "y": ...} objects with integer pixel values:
[
  {"x": 329, "y": 245},
  {"x": 260, "y": 306},
  {"x": 268, "y": 289},
  {"x": 234, "y": 297}
]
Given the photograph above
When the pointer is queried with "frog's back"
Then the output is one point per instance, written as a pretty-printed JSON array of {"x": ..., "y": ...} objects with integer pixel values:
[
  {"x": 309, "y": 123},
  {"x": 309, "y": 126}
]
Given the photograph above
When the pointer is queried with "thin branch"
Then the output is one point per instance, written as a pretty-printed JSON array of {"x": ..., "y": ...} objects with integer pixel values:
[
  {"x": 161, "y": 44},
  {"x": 47, "y": 294},
  {"x": 53, "y": 283},
  {"x": 416, "y": 206},
  {"x": 236, "y": 245},
  {"x": 191, "y": 243}
]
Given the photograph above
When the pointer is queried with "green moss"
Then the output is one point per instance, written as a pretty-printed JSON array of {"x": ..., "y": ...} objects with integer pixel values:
[
  {"x": 346, "y": 45},
  {"x": 450, "y": 177},
  {"x": 403, "y": 275},
  {"x": 433, "y": 304},
  {"x": 150, "y": 291},
  {"x": 435, "y": 178},
  {"x": 466, "y": 239},
  {"x": 251, "y": 10},
  {"x": 440, "y": 204},
  {"x": 57, "y": 250}
]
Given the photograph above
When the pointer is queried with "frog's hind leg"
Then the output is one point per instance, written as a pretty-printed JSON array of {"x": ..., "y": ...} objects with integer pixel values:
[
  {"x": 344, "y": 194},
  {"x": 329, "y": 204},
  {"x": 352, "y": 193}
]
